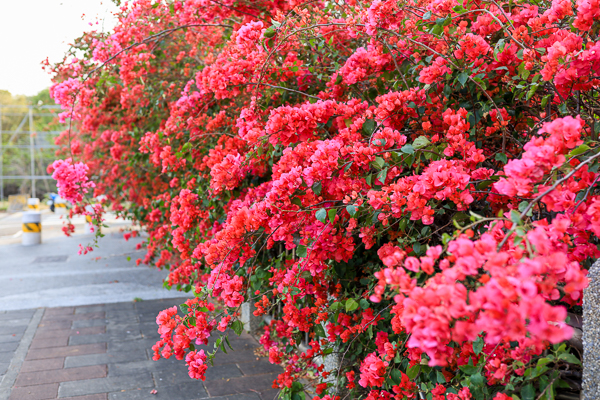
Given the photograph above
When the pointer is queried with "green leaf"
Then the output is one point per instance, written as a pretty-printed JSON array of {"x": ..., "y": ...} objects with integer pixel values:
[
  {"x": 407, "y": 149},
  {"x": 440, "y": 377},
  {"x": 351, "y": 209},
  {"x": 319, "y": 331},
  {"x": 528, "y": 392},
  {"x": 364, "y": 304},
  {"x": 301, "y": 251},
  {"x": 531, "y": 92},
  {"x": 237, "y": 327},
  {"x": 523, "y": 205},
  {"x": 396, "y": 376},
  {"x": 421, "y": 142},
  {"x": 331, "y": 214},
  {"x": 413, "y": 372},
  {"x": 335, "y": 306},
  {"x": 545, "y": 101},
  {"x": 382, "y": 175},
  {"x": 270, "y": 32},
  {"x": 477, "y": 379},
  {"x": 579, "y": 150},
  {"x": 468, "y": 369},
  {"x": 570, "y": 358},
  {"x": 380, "y": 162},
  {"x": 368, "y": 126},
  {"x": 351, "y": 305},
  {"x": 501, "y": 157},
  {"x": 427, "y": 15},
  {"x": 515, "y": 216},
  {"x": 316, "y": 188},
  {"x": 297, "y": 201},
  {"x": 462, "y": 78},
  {"x": 478, "y": 345},
  {"x": 321, "y": 215}
]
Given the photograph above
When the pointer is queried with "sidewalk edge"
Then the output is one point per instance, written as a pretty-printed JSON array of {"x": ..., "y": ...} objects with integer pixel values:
[{"x": 17, "y": 361}]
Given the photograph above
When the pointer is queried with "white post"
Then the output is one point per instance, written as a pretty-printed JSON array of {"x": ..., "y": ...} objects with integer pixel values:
[
  {"x": 31, "y": 151},
  {"x": 32, "y": 228}
]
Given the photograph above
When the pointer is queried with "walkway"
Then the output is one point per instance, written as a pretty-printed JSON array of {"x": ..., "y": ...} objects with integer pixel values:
[
  {"x": 82, "y": 328},
  {"x": 102, "y": 352}
]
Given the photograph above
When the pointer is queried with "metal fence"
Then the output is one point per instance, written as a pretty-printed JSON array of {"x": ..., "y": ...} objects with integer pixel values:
[{"x": 27, "y": 147}]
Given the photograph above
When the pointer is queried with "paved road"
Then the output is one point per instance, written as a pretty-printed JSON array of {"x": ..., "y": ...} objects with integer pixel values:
[{"x": 10, "y": 225}]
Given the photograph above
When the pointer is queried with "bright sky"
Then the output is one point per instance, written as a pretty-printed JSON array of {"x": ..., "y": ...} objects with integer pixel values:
[{"x": 31, "y": 30}]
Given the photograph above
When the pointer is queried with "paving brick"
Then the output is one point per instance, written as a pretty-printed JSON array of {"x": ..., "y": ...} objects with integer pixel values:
[
  {"x": 39, "y": 392},
  {"x": 55, "y": 324},
  {"x": 234, "y": 357},
  {"x": 46, "y": 343},
  {"x": 17, "y": 321},
  {"x": 243, "y": 396},
  {"x": 234, "y": 386},
  {"x": 168, "y": 366},
  {"x": 8, "y": 346},
  {"x": 42, "y": 365},
  {"x": 99, "y": 396},
  {"x": 12, "y": 315},
  {"x": 60, "y": 375},
  {"x": 106, "y": 385},
  {"x": 262, "y": 366},
  {"x": 143, "y": 344},
  {"x": 47, "y": 334},
  {"x": 87, "y": 339},
  {"x": 122, "y": 317},
  {"x": 59, "y": 311},
  {"x": 119, "y": 307},
  {"x": 121, "y": 332},
  {"x": 223, "y": 372},
  {"x": 10, "y": 338},
  {"x": 9, "y": 329},
  {"x": 271, "y": 394},
  {"x": 186, "y": 391},
  {"x": 74, "y": 317},
  {"x": 95, "y": 359},
  {"x": 89, "y": 309},
  {"x": 53, "y": 352},
  {"x": 171, "y": 377},
  {"x": 86, "y": 323}
]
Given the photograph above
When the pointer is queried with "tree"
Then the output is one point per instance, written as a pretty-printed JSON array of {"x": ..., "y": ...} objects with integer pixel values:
[{"x": 414, "y": 184}]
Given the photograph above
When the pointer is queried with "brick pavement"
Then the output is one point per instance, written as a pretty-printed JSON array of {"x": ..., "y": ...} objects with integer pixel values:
[{"x": 104, "y": 352}]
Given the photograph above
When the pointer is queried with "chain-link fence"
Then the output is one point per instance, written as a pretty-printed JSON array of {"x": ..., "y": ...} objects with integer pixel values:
[{"x": 27, "y": 148}]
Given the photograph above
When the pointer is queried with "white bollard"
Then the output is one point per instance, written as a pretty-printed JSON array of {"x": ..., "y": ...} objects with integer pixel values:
[
  {"x": 32, "y": 228},
  {"x": 33, "y": 204},
  {"x": 60, "y": 206}
]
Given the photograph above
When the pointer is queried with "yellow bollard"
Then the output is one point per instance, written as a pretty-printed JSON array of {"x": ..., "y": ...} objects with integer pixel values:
[
  {"x": 60, "y": 206},
  {"x": 32, "y": 228},
  {"x": 33, "y": 204}
]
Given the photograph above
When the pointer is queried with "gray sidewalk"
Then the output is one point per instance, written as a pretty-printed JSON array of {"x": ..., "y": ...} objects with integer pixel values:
[
  {"x": 52, "y": 274},
  {"x": 101, "y": 352}
]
